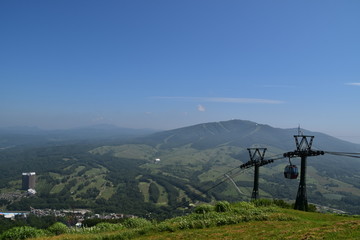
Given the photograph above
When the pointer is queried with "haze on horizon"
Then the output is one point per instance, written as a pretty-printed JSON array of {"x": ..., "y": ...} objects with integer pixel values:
[{"x": 169, "y": 64}]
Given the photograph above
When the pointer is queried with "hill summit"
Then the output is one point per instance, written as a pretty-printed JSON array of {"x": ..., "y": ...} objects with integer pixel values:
[{"x": 239, "y": 133}]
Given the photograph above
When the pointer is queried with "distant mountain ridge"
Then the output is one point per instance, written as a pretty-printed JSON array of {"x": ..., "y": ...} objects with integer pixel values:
[
  {"x": 246, "y": 134},
  {"x": 241, "y": 133},
  {"x": 22, "y": 136}
]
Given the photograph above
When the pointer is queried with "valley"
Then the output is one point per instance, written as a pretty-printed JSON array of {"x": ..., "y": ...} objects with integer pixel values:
[{"x": 125, "y": 177}]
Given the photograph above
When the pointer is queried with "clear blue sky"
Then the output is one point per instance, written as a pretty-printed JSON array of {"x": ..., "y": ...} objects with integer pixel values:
[{"x": 168, "y": 64}]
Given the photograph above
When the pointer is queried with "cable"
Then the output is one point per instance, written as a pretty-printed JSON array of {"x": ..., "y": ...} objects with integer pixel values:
[
  {"x": 223, "y": 177},
  {"x": 238, "y": 172},
  {"x": 214, "y": 186},
  {"x": 341, "y": 153},
  {"x": 275, "y": 159},
  {"x": 226, "y": 179},
  {"x": 344, "y": 154},
  {"x": 275, "y": 156}
]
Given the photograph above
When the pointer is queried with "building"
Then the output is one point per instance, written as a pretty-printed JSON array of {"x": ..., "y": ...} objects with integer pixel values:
[
  {"x": 28, "y": 180},
  {"x": 12, "y": 215}
]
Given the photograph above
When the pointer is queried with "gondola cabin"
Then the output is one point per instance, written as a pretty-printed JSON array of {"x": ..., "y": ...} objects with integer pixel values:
[{"x": 291, "y": 172}]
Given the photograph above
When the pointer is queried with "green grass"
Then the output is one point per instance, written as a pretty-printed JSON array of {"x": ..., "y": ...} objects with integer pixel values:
[
  {"x": 92, "y": 178},
  {"x": 163, "y": 198},
  {"x": 268, "y": 230},
  {"x": 131, "y": 151},
  {"x": 96, "y": 178},
  {"x": 241, "y": 220},
  {"x": 144, "y": 189}
]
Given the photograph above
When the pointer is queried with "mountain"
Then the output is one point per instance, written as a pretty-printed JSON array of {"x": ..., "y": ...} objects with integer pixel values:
[
  {"x": 247, "y": 134},
  {"x": 24, "y": 136},
  {"x": 161, "y": 171},
  {"x": 239, "y": 133}
]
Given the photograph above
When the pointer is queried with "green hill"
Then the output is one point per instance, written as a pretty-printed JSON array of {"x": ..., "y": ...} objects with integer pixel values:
[
  {"x": 124, "y": 176},
  {"x": 193, "y": 158}
]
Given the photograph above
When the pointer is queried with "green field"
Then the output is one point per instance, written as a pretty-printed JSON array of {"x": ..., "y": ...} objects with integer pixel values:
[
  {"x": 83, "y": 178},
  {"x": 131, "y": 151},
  {"x": 144, "y": 188}
]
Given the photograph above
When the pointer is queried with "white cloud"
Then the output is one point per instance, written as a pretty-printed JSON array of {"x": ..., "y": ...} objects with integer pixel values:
[
  {"x": 353, "y": 84},
  {"x": 201, "y": 108},
  {"x": 224, "y": 100}
]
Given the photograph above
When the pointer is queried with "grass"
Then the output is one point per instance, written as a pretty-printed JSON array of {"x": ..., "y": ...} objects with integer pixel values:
[
  {"x": 268, "y": 230},
  {"x": 236, "y": 221},
  {"x": 92, "y": 178},
  {"x": 306, "y": 226},
  {"x": 131, "y": 151},
  {"x": 163, "y": 197},
  {"x": 144, "y": 189}
]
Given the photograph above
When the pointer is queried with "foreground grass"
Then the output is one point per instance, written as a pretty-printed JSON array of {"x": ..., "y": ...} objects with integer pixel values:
[
  {"x": 307, "y": 226},
  {"x": 236, "y": 221}
]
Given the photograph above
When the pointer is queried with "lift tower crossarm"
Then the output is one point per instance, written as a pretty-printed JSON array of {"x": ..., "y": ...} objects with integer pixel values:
[
  {"x": 257, "y": 158},
  {"x": 252, "y": 164}
]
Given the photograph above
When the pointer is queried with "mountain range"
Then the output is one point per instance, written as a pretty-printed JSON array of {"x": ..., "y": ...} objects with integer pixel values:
[
  {"x": 34, "y": 136},
  {"x": 164, "y": 171}
]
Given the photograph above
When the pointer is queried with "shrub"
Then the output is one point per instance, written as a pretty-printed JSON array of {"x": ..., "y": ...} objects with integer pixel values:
[
  {"x": 104, "y": 227},
  {"x": 281, "y": 203},
  {"x": 311, "y": 208},
  {"x": 165, "y": 227},
  {"x": 24, "y": 232},
  {"x": 136, "y": 223},
  {"x": 222, "y": 206},
  {"x": 204, "y": 208},
  {"x": 58, "y": 228},
  {"x": 262, "y": 202},
  {"x": 244, "y": 206}
]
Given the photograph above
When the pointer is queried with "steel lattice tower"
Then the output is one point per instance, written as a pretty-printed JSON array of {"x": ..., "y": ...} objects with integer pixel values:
[
  {"x": 303, "y": 150},
  {"x": 256, "y": 158}
]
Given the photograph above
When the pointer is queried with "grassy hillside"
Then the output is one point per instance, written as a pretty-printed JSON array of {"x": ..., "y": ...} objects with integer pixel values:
[
  {"x": 242, "y": 220},
  {"x": 201, "y": 169},
  {"x": 124, "y": 176},
  {"x": 198, "y": 156}
]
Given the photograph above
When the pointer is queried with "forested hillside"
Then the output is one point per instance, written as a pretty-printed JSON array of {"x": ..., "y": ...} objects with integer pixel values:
[{"x": 162, "y": 173}]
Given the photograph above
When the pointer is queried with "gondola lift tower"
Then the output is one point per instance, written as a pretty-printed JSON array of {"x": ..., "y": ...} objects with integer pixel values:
[{"x": 303, "y": 150}]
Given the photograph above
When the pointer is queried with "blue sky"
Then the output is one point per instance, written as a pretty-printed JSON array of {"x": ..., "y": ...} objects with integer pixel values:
[{"x": 168, "y": 64}]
